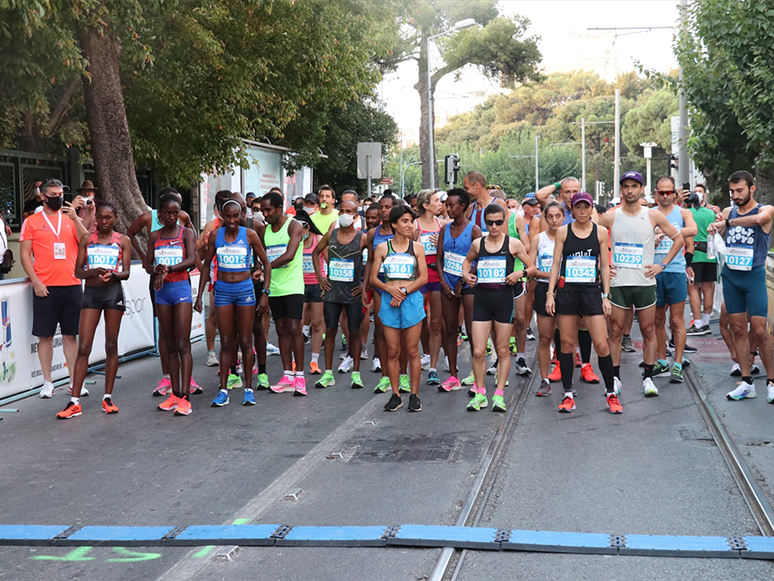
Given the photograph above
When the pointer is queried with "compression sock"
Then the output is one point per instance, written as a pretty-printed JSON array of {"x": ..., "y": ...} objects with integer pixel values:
[
  {"x": 648, "y": 371},
  {"x": 606, "y": 369},
  {"x": 617, "y": 371},
  {"x": 584, "y": 342},
  {"x": 567, "y": 365}
]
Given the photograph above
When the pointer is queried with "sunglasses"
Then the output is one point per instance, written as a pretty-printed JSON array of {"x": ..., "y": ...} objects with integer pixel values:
[
  {"x": 494, "y": 222},
  {"x": 665, "y": 192}
]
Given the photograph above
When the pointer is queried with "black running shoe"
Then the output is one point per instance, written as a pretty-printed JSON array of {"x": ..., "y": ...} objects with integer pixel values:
[
  {"x": 414, "y": 404},
  {"x": 395, "y": 403}
]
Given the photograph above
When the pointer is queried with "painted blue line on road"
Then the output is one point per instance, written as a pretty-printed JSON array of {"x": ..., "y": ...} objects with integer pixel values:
[{"x": 31, "y": 533}]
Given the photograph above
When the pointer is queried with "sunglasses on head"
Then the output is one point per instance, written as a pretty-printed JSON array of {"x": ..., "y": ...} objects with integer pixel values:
[{"x": 494, "y": 222}]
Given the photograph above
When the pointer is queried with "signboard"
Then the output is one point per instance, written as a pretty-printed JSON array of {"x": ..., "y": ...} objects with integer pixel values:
[
  {"x": 264, "y": 173},
  {"x": 387, "y": 181},
  {"x": 369, "y": 160}
]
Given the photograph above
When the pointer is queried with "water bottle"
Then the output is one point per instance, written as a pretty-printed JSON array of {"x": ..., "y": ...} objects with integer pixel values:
[{"x": 711, "y": 253}]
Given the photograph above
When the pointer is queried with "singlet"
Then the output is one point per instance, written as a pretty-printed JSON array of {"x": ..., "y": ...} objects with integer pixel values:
[
  {"x": 287, "y": 279},
  {"x": 378, "y": 239},
  {"x": 171, "y": 252},
  {"x": 665, "y": 245},
  {"x": 633, "y": 245},
  {"x": 454, "y": 252},
  {"x": 400, "y": 266},
  {"x": 545, "y": 254},
  {"x": 107, "y": 256},
  {"x": 345, "y": 268},
  {"x": 155, "y": 224},
  {"x": 746, "y": 246},
  {"x": 580, "y": 258},
  {"x": 477, "y": 216},
  {"x": 431, "y": 251},
  {"x": 493, "y": 267},
  {"x": 568, "y": 217},
  {"x": 308, "y": 264},
  {"x": 233, "y": 256},
  {"x": 513, "y": 232}
]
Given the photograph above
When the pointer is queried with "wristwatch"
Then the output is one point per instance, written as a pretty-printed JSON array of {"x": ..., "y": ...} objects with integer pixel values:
[
  {"x": 605, "y": 296},
  {"x": 405, "y": 290},
  {"x": 662, "y": 265}
]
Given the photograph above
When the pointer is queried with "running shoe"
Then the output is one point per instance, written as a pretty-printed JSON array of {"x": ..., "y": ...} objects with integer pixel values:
[
  {"x": 617, "y": 386},
  {"x": 343, "y": 342},
  {"x": 626, "y": 344},
  {"x": 239, "y": 368},
  {"x": 588, "y": 375},
  {"x": 287, "y": 383},
  {"x": 649, "y": 389},
  {"x": 686, "y": 349},
  {"x": 84, "y": 391},
  {"x": 425, "y": 361},
  {"x": 754, "y": 370},
  {"x": 694, "y": 331},
  {"x": 736, "y": 371},
  {"x": 578, "y": 362},
  {"x": 383, "y": 385},
  {"x": 706, "y": 330},
  {"x": 357, "y": 383},
  {"x": 660, "y": 369},
  {"x": 459, "y": 340},
  {"x": 507, "y": 381},
  {"x": 493, "y": 369},
  {"x": 432, "y": 378},
  {"x": 108, "y": 406},
  {"x": 164, "y": 386},
  {"x": 472, "y": 391},
  {"x": 463, "y": 336},
  {"x": 677, "y": 374},
  {"x": 522, "y": 368},
  {"x": 221, "y": 399},
  {"x": 346, "y": 365},
  {"x": 271, "y": 349},
  {"x": 478, "y": 403},
  {"x": 307, "y": 338},
  {"x": 451, "y": 384},
  {"x": 262, "y": 382},
  {"x": 212, "y": 359},
  {"x": 488, "y": 347},
  {"x": 743, "y": 391},
  {"x": 314, "y": 368},
  {"x": 300, "y": 389},
  {"x": 404, "y": 384},
  {"x": 343, "y": 356},
  {"x": 498, "y": 403},
  {"x": 770, "y": 392},
  {"x": 183, "y": 407},
  {"x": 544, "y": 390},
  {"x": 168, "y": 404},
  {"x": 394, "y": 404},
  {"x": 195, "y": 387},
  {"x": 363, "y": 352},
  {"x": 234, "y": 381},
  {"x": 512, "y": 346},
  {"x": 530, "y": 334},
  {"x": 567, "y": 405},
  {"x": 376, "y": 365},
  {"x": 556, "y": 375},
  {"x": 249, "y": 397},
  {"x": 446, "y": 364},
  {"x": 414, "y": 404},
  {"x": 613, "y": 405},
  {"x": 72, "y": 410},
  {"x": 326, "y": 380},
  {"x": 469, "y": 380}
]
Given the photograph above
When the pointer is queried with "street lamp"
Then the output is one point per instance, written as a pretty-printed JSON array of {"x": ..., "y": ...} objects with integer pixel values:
[{"x": 462, "y": 24}]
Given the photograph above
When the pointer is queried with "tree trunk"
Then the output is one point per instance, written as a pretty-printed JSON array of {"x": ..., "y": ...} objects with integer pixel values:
[
  {"x": 764, "y": 185},
  {"x": 428, "y": 159},
  {"x": 111, "y": 143}
]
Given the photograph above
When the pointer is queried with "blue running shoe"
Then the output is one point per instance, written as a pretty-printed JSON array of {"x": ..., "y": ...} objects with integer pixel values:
[
  {"x": 220, "y": 400},
  {"x": 249, "y": 397}
]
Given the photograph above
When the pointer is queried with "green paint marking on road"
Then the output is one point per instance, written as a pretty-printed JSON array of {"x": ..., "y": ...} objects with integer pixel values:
[
  {"x": 241, "y": 521},
  {"x": 208, "y": 549},
  {"x": 77, "y": 554},
  {"x": 132, "y": 556}
]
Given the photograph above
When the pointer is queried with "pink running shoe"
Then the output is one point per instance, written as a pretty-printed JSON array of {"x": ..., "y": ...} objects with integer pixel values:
[
  {"x": 195, "y": 387},
  {"x": 164, "y": 385},
  {"x": 284, "y": 384},
  {"x": 300, "y": 386},
  {"x": 451, "y": 384},
  {"x": 255, "y": 369}
]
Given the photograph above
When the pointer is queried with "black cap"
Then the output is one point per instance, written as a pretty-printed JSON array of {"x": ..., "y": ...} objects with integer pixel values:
[{"x": 312, "y": 199}]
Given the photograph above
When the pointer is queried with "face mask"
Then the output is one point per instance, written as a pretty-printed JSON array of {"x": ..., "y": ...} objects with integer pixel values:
[
  {"x": 346, "y": 220},
  {"x": 54, "y": 203},
  {"x": 701, "y": 196},
  {"x": 323, "y": 205},
  {"x": 306, "y": 236}
]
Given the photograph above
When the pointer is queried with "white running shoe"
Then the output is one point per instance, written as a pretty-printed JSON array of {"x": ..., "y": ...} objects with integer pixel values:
[
  {"x": 617, "y": 386},
  {"x": 736, "y": 371},
  {"x": 770, "y": 390},
  {"x": 271, "y": 349},
  {"x": 47, "y": 390},
  {"x": 212, "y": 359},
  {"x": 649, "y": 389},
  {"x": 346, "y": 365},
  {"x": 376, "y": 366},
  {"x": 363, "y": 352},
  {"x": 446, "y": 364},
  {"x": 492, "y": 370},
  {"x": 743, "y": 391},
  {"x": 425, "y": 362}
]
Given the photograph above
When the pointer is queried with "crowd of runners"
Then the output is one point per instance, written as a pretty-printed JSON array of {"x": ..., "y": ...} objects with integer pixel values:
[{"x": 429, "y": 273}]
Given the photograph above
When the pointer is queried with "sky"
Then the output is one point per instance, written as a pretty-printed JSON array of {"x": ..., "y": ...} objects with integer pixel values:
[{"x": 552, "y": 20}]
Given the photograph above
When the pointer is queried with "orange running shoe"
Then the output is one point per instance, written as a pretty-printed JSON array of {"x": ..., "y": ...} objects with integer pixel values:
[
  {"x": 71, "y": 410},
  {"x": 588, "y": 375},
  {"x": 577, "y": 359},
  {"x": 183, "y": 407},
  {"x": 169, "y": 404},
  {"x": 567, "y": 405},
  {"x": 556, "y": 374},
  {"x": 314, "y": 368},
  {"x": 614, "y": 404},
  {"x": 108, "y": 406}
]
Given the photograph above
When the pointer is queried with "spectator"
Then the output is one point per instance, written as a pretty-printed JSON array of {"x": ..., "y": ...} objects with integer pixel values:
[
  {"x": 33, "y": 205},
  {"x": 87, "y": 210}
]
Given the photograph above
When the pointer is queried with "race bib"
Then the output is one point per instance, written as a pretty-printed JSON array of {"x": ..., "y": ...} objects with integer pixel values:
[
  {"x": 431, "y": 249},
  {"x": 341, "y": 270},
  {"x": 491, "y": 270},
  {"x": 103, "y": 256},
  {"x": 399, "y": 266},
  {"x": 739, "y": 257},
  {"x": 580, "y": 269},
  {"x": 664, "y": 245},
  {"x": 60, "y": 251},
  {"x": 545, "y": 262},
  {"x": 169, "y": 255},
  {"x": 365, "y": 255},
  {"x": 452, "y": 263},
  {"x": 628, "y": 255},
  {"x": 308, "y": 264},
  {"x": 274, "y": 252},
  {"x": 232, "y": 258}
]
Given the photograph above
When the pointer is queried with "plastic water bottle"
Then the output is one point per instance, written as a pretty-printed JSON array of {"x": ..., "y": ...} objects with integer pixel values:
[{"x": 711, "y": 252}]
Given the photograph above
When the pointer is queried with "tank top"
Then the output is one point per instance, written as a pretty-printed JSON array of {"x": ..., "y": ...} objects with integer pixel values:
[
  {"x": 580, "y": 259},
  {"x": 545, "y": 254},
  {"x": 287, "y": 279},
  {"x": 568, "y": 217},
  {"x": 513, "y": 232},
  {"x": 477, "y": 216},
  {"x": 107, "y": 256},
  {"x": 431, "y": 251},
  {"x": 233, "y": 256},
  {"x": 633, "y": 246},
  {"x": 400, "y": 266},
  {"x": 493, "y": 267},
  {"x": 454, "y": 252},
  {"x": 345, "y": 269},
  {"x": 665, "y": 244},
  {"x": 378, "y": 239},
  {"x": 308, "y": 264},
  {"x": 171, "y": 252},
  {"x": 746, "y": 246}
]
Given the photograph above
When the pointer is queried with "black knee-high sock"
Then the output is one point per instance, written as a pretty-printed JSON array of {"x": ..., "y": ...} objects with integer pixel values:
[
  {"x": 648, "y": 372},
  {"x": 617, "y": 371},
  {"x": 557, "y": 343},
  {"x": 606, "y": 368},
  {"x": 567, "y": 365},
  {"x": 584, "y": 342}
]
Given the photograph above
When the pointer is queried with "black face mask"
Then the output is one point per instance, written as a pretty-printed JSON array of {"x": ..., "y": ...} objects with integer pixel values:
[{"x": 54, "y": 203}]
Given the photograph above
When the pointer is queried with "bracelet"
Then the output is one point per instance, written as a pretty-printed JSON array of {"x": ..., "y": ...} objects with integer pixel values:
[
  {"x": 605, "y": 295},
  {"x": 558, "y": 185},
  {"x": 662, "y": 265},
  {"x": 728, "y": 222}
]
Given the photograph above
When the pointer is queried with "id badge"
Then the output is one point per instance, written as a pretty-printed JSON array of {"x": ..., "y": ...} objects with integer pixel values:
[{"x": 60, "y": 253}]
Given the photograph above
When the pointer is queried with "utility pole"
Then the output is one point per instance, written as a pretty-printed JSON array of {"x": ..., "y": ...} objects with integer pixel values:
[
  {"x": 617, "y": 166},
  {"x": 682, "y": 151},
  {"x": 537, "y": 181}
]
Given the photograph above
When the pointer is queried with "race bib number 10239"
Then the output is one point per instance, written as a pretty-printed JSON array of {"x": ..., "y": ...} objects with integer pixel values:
[{"x": 627, "y": 255}]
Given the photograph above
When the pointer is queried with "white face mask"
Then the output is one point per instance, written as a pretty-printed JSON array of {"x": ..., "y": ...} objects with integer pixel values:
[
  {"x": 701, "y": 196},
  {"x": 346, "y": 220}
]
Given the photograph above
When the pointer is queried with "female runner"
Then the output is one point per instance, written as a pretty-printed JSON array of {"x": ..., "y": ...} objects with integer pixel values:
[{"x": 313, "y": 301}]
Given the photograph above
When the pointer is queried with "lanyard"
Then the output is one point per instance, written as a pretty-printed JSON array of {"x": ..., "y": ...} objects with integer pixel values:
[{"x": 58, "y": 226}]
